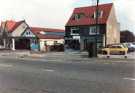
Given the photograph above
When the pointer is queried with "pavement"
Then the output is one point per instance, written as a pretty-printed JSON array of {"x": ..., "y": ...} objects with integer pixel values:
[
  {"x": 66, "y": 73},
  {"x": 42, "y": 55},
  {"x": 63, "y": 57}
]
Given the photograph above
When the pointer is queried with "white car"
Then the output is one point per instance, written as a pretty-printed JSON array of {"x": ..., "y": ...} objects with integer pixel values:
[
  {"x": 131, "y": 46},
  {"x": 133, "y": 43}
]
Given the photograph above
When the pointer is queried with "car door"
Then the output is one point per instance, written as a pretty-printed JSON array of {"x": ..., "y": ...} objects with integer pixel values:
[
  {"x": 120, "y": 50},
  {"x": 114, "y": 50}
]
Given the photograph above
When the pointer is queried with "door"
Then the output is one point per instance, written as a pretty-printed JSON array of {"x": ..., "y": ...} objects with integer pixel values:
[
  {"x": 115, "y": 50},
  {"x": 22, "y": 44}
]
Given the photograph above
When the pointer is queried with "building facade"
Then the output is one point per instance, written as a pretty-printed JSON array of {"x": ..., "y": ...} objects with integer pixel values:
[
  {"x": 80, "y": 30},
  {"x": 19, "y": 36}
]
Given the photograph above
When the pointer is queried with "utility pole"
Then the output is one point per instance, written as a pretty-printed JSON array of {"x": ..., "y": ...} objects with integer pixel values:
[
  {"x": 96, "y": 41},
  {"x": 92, "y": 50},
  {"x": 96, "y": 4}
]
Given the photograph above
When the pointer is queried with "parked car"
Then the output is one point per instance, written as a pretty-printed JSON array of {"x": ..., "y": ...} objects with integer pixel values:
[
  {"x": 116, "y": 49},
  {"x": 130, "y": 46},
  {"x": 133, "y": 43},
  {"x": 57, "y": 47}
]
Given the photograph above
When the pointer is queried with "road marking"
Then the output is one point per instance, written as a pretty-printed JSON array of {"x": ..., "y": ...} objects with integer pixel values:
[
  {"x": 5, "y": 65},
  {"x": 133, "y": 79},
  {"x": 49, "y": 70}
]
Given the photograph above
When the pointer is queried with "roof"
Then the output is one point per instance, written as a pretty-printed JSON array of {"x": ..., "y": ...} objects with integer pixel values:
[
  {"x": 88, "y": 12},
  {"x": 46, "y": 29},
  {"x": 37, "y": 31},
  {"x": 12, "y": 25}
]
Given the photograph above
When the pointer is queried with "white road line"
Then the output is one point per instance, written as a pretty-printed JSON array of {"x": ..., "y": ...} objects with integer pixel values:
[
  {"x": 5, "y": 65},
  {"x": 133, "y": 79},
  {"x": 49, "y": 70}
]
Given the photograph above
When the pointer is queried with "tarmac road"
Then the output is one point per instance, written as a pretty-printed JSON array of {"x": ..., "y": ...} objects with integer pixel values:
[{"x": 71, "y": 75}]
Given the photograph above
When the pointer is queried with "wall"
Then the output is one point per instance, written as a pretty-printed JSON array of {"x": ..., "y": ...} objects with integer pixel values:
[
  {"x": 113, "y": 29},
  {"x": 84, "y": 30},
  {"x": 84, "y": 34}
]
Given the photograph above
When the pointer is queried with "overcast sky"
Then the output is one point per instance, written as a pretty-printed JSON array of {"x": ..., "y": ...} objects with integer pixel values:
[{"x": 55, "y": 13}]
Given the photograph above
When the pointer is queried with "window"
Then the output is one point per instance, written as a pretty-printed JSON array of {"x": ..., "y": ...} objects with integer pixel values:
[
  {"x": 74, "y": 31},
  {"x": 45, "y": 42},
  {"x": 27, "y": 33},
  {"x": 119, "y": 47},
  {"x": 34, "y": 41},
  {"x": 92, "y": 30},
  {"x": 99, "y": 14},
  {"x": 78, "y": 16},
  {"x": 81, "y": 15},
  {"x": 112, "y": 47},
  {"x": 115, "y": 46},
  {"x": 55, "y": 42}
]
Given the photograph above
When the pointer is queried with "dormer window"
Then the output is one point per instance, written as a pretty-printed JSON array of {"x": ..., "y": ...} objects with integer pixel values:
[
  {"x": 99, "y": 14},
  {"x": 78, "y": 16}
]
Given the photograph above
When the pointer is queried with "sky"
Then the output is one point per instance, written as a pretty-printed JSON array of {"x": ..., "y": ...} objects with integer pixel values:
[{"x": 55, "y": 13}]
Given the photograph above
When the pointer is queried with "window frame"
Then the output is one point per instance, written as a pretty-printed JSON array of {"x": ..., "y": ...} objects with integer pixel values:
[
  {"x": 93, "y": 28},
  {"x": 45, "y": 43},
  {"x": 74, "y": 28},
  {"x": 55, "y": 42},
  {"x": 78, "y": 16},
  {"x": 100, "y": 14}
]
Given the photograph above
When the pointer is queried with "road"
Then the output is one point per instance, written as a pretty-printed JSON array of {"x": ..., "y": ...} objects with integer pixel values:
[{"x": 67, "y": 75}]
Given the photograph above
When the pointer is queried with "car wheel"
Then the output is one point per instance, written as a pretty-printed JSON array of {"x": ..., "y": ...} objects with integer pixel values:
[{"x": 104, "y": 52}]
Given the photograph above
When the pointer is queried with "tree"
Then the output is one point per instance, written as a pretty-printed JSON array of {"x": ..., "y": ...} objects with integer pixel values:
[{"x": 127, "y": 36}]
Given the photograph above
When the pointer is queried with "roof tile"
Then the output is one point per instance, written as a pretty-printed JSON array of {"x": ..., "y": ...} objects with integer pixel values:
[
  {"x": 12, "y": 25},
  {"x": 88, "y": 12},
  {"x": 37, "y": 30}
]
